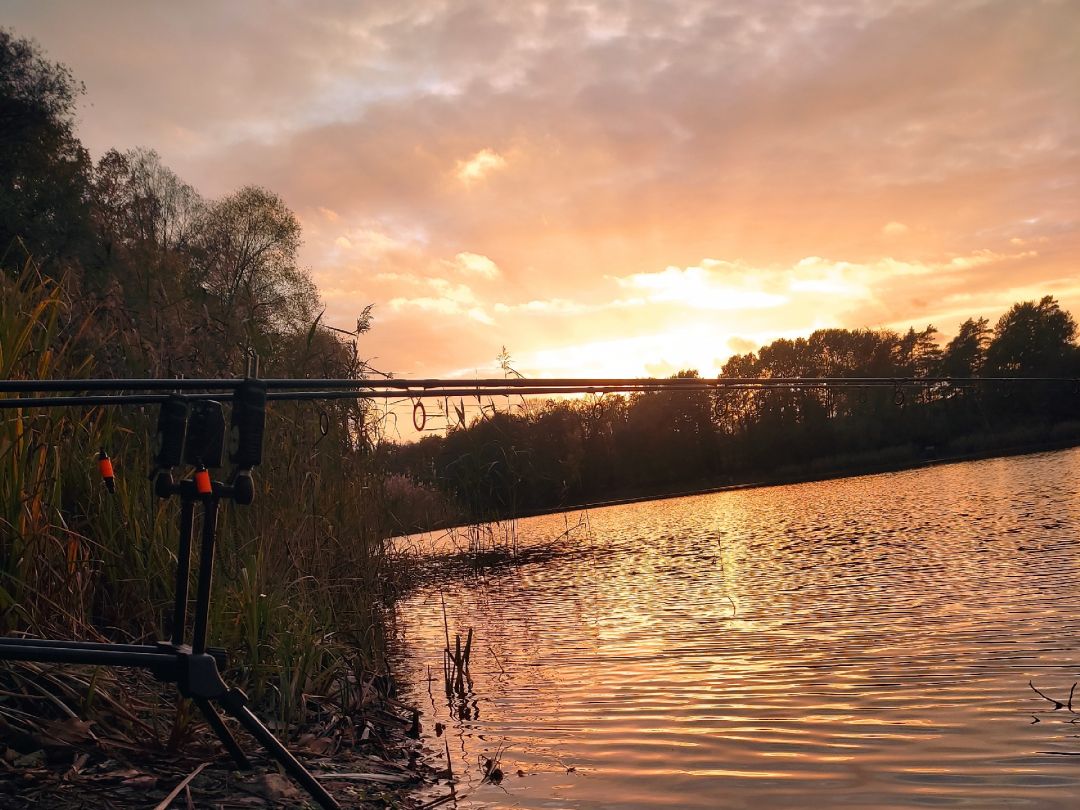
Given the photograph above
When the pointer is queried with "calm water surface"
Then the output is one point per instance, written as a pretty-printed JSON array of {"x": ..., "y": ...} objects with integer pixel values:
[{"x": 856, "y": 643}]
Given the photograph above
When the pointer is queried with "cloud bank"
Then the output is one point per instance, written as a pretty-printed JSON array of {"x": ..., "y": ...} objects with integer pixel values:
[{"x": 616, "y": 186}]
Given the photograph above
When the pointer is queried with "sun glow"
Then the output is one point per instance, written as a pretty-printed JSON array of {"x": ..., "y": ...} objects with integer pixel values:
[
  {"x": 696, "y": 346},
  {"x": 701, "y": 288}
]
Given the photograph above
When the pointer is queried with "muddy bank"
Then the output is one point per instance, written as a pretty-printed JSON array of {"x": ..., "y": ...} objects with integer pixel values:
[{"x": 367, "y": 755}]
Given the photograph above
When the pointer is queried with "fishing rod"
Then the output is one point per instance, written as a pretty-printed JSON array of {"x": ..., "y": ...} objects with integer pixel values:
[
  {"x": 72, "y": 392},
  {"x": 191, "y": 435}
]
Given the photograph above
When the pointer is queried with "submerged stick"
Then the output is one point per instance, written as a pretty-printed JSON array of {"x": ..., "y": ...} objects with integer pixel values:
[{"x": 1057, "y": 703}]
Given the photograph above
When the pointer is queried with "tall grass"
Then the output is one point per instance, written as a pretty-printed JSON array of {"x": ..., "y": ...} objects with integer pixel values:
[
  {"x": 299, "y": 582},
  {"x": 36, "y": 541}
]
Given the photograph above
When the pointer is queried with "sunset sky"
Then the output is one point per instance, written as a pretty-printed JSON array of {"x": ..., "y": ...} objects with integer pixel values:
[{"x": 615, "y": 187}]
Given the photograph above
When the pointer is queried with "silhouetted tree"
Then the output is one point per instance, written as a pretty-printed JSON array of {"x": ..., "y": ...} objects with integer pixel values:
[
  {"x": 142, "y": 202},
  {"x": 1032, "y": 339},
  {"x": 918, "y": 353},
  {"x": 245, "y": 264},
  {"x": 965, "y": 354},
  {"x": 602, "y": 447},
  {"x": 44, "y": 169}
]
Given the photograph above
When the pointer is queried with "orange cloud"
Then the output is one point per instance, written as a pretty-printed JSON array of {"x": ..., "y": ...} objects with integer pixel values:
[
  {"x": 550, "y": 177},
  {"x": 474, "y": 264}
]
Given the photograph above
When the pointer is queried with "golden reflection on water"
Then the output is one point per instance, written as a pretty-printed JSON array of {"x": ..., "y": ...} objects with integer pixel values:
[{"x": 859, "y": 643}]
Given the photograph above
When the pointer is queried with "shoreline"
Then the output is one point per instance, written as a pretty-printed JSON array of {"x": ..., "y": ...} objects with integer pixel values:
[{"x": 802, "y": 476}]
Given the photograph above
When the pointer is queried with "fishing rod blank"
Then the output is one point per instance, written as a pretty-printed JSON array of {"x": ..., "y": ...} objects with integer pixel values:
[
  {"x": 133, "y": 385},
  {"x": 417, "y": 389}
]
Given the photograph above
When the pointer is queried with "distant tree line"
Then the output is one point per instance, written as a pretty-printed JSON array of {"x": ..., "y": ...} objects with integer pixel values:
[
  {"x": 159, "y": 281},
  {"x": 573, "y": 451}
]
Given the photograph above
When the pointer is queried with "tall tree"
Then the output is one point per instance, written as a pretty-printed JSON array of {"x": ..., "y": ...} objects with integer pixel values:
[
  {"x": 44, "y": 169},
  {"x": 143, "y": 202},
  {"x": 246, "y": 265},
  {"x": 1032, "y": 339},
  {"x": 965, "y": 354},
  {"x": 917, "y": 354}
]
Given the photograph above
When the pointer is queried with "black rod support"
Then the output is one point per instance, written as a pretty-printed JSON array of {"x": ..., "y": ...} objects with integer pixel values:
[
  {"x": 206, "y": 575},
  {"x": 53, "y": 654},
  {"x": 7, "y": 643},
  {"x": 234, "y": 704},
  {"x": 183, "y": 569},
  {"x": 119, "y": 384},
  {"x": 215, "y": 722},
  {"x": 488, "y": 388}
]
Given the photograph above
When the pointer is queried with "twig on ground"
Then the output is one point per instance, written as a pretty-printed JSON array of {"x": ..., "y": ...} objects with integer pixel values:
[{"x": 176, "y": 791}]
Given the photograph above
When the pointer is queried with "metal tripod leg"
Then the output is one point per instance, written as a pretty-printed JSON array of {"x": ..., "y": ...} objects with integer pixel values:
[
  {"x": 234, "y": 704},
  {"x": 183, "y": 570},
  {"x": 223, "y": 733},
  {"x": 206, "y": 575}
]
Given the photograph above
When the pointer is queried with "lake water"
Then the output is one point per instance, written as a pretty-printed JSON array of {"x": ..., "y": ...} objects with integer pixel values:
[{"x": 857, "y": 643}]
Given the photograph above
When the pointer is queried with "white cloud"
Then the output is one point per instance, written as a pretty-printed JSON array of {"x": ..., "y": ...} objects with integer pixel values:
[
  {"x": 442, "y": 306},
  {"x": 565, "y": 306},
  {"x": 556, "y": 306},
  {"x": 452, "y": 291},
  {"x": 895, "y": 229},
  {"x": 444, "y": 288},
  {"x": 372, "y": 241},
  {"x": 701, "y": 287},
  {"x": 814, "y": 291},
  {"x": 475, "y": 264},
  {"x": 479, "y": 166}
]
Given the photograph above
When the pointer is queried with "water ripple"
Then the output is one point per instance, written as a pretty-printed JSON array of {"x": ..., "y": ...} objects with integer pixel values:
[{"x": 857, "y": 643}]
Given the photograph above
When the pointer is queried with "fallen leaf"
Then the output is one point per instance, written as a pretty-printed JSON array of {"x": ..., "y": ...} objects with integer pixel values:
[
  {"x": 320, "y": 746},
  {"x": 71, "y": 731},
  {"x": 275, "y": 786},
  {"x": 109, "y": 777}
]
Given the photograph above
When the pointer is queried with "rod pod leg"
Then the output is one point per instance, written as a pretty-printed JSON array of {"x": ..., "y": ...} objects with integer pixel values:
[
  {"x": 215, "y": 722},
  {"x": 234, "y": 704},
  {"x": 183, "y": 570},
  {"x": 206, "y": 575}
]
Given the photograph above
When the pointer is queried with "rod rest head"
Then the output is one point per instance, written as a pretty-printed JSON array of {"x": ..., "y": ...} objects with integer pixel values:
[
  {"x": 164, "y": 485},
  {"x": 243, "y": 488}
]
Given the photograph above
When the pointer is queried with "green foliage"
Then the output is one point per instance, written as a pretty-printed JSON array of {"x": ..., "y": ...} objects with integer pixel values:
[{"x": 34, "y": 539}]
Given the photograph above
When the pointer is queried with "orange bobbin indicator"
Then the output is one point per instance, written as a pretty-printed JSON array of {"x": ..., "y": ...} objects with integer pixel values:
[
  {"x": 106, "y": 469},
  {"x": 202, "y": 481}
]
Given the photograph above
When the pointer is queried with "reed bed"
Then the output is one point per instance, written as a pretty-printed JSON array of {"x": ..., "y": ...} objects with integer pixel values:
[{"x": 301, "y": 574}]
